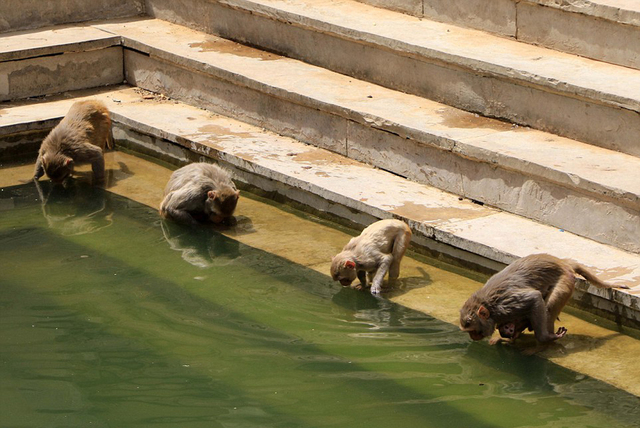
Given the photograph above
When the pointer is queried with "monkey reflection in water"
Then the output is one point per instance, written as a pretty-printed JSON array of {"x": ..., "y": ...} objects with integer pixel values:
[
  {"x": 80, "y": 137},
  {"x": 75, "y": 209},
  {"x": 529, "y": 293},
  {"x": 379, "y": 249},
  {"x": 200, "y": 192}
]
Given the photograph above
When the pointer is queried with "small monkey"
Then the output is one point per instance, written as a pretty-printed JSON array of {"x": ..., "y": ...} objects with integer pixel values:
[
  {"x": 510, "y": 331},
  {"x": 378, "y": 250},
  {"x": 529, "y": 293},
  {"x": 199, "y": 190},
  {"x": 80, "y": 137}
]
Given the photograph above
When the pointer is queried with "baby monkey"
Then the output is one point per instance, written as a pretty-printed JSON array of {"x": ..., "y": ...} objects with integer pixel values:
[
  {"x": 80, "y": 137},
  {"x": 378, "y": 250},
  {"x": 529, "y": 293},
  {"x": 200, "y": 191}
]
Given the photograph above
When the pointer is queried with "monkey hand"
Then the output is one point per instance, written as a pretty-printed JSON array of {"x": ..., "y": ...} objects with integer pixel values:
[{"x": 561, "y": 332}]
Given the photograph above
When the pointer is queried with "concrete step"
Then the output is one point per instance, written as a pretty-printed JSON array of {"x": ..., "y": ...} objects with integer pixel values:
[
  {"x": 29, "y": 14},
  {"x": 331, "y": 183},
  {"x": 567, "y": 95},
  {"x": 574, "y": 186},
  {"x": 606, "y": 30},
  {"x": 58, "y": 59}
]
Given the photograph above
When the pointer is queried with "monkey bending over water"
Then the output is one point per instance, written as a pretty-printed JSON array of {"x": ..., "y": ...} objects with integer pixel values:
[
  {"x": 80, "y": 137},
  {"x": 197, "y": 190},
  {"x": 378, "y": 250},
  {"x": 530, "y": 292}
]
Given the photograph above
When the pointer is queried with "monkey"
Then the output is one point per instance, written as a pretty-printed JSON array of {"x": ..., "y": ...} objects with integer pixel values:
[
  {"x": 199, "y": 191},
  {"x": 510, "y": 331},
  {"x": 379, "y": 249},
  {"x": 80, "y": 137},
  {"x": 531, "y": 291}
]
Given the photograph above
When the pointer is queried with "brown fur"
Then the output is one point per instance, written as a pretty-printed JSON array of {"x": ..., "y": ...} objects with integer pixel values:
[
  {"x": 378, "y": 250},
  {"x": 529, "y": 292},
  {"x": 80, "y": 137}
]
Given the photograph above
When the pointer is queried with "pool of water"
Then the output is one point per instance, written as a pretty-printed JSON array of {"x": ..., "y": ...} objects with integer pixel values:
[{"x": 110, "y": 317}]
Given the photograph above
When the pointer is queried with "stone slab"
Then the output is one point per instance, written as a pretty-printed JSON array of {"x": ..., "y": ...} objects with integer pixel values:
[
  {"x": 24, "y": 14},
  {"x": 56, "y": 40},
  {"x": 58, "y": 73},
  {"x": 364, "y": 192},
  {"x": 472, "y": 70}
]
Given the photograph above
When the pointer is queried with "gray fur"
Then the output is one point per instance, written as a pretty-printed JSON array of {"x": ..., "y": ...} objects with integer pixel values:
[{"x": 200, "y": 189}]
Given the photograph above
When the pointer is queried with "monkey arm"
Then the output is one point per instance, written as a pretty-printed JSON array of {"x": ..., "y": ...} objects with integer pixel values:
[
  {"x": 383, "y": 268},
  {"x": 95, "y": 156},
  {"x": 39, "y": 170},
  {"x": 362, "y": 276}
]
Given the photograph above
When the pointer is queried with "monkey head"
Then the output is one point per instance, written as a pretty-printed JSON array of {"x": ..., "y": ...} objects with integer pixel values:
[
  {"x": 58, "y": 167},
  {"x": 220, "y": 204},
  {"x": 476, "y": 320},
  {"x": 507, "y": 330},
  {"x": 343, "y": 269}
]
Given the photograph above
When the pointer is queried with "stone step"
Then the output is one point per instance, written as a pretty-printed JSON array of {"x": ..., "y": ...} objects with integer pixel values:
[
  {"x": 591, "y": 191},
  {"x": 567, "y": 95},
  {"x": 58, "y": 59},
  {"x": 606, "y": 30},
  {"x": 29, "y": 14},
  {"x": 329, "y": 182}
]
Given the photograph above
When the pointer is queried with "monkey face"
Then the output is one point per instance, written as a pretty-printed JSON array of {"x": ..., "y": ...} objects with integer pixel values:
[
  {"x": 58, "y": 168},
  {"x": 220, "y": 205},
  {"x": 507, "y": 330},
  {"x": 343, "y": 270},
  {"x": 476, "y": 322}
]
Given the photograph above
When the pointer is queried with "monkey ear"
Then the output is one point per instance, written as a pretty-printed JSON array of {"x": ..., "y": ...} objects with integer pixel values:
[
  {"x": 350, "y": 264},
  {"x": 211, "y": 194},
  {"x": 68, "y": 162},
  {"x": 483, "y": 312}
]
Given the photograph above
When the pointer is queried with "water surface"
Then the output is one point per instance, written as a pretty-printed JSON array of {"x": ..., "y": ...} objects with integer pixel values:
[{"x": 110, "y": 317}]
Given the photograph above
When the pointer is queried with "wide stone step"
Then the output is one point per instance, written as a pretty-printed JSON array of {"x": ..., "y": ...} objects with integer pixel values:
[
  {"x": 346, "y": 188},
  {"x": 579, "y": 98},
  {"x": 606, "y": 30},
  {"x": 58, "y": 59},
  {"x": 25, "y": 14},
  {"x": 574, "y": 186}
]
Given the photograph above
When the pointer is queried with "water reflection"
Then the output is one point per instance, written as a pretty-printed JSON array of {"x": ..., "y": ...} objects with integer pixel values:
[
  {"x": 200, "y": 246},
  {"x": 76, "y": 208}
]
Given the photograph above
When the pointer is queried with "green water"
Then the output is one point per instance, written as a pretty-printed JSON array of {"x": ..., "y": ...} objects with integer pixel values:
[{"x": 111, "y": 318}]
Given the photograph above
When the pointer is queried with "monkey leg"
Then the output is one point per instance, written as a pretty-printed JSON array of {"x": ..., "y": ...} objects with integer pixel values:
[
  {"x": 399, "y": 248},
  {"x": 92, "y": 154},
  {"x": 558, "y": 298},
  {"x": 539, "y": 318},
  {"x": 383, "y": 268},
  {"x": 169, "y": 208}
]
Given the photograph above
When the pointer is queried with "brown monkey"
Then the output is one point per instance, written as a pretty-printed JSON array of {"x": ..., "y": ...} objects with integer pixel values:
[
  {"x": 80, "y": 137},
  {"x": 510, "y": 331},
  {"x": 199, "y": 191},
  {"x": 378, "y": 250},
  {"x": 534, "y": 289}
]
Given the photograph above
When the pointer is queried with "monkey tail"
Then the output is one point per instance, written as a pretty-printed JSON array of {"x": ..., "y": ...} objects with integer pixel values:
[
  {"x": 110, "y": 144},
  {"x": 581, "y": 270}
]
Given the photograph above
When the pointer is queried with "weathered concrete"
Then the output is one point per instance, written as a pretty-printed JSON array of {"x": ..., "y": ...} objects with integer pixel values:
[
  {"x": 497, "y": 77},
  {"x": 24, "y": 14},
  {"x": 329, "y": 182},
  {"x": 606, "y": 30},
  {"x": 58, "y": 73},
  {"x": 551, "y": 179}
]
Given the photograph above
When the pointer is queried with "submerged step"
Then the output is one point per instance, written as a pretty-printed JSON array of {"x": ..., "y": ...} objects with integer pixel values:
[
  {"x": 588, "y": 190},
  {"x": 565, "y": 94},
  {"x": 329, "y": 182}
]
